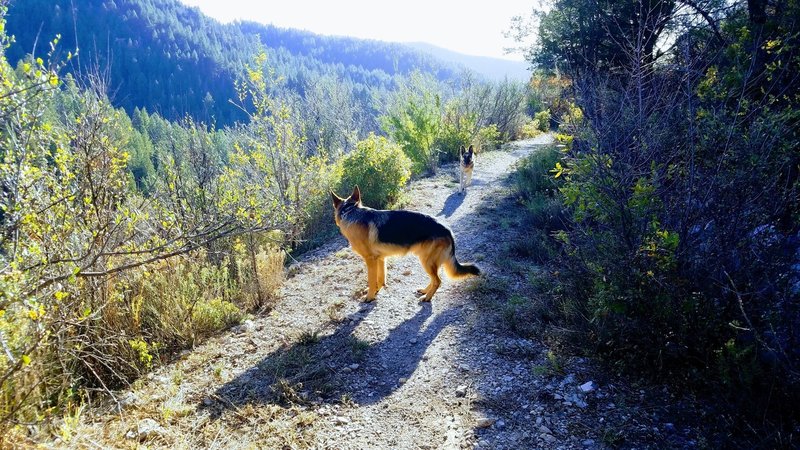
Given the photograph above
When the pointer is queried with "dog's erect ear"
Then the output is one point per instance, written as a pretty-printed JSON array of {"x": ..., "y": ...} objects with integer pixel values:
[
  {"x": 337, "y": 201},
  {"x": 461, "y": 150},
  {"x": 470, "y": 149},
  {"x": 356, "y": 195}
]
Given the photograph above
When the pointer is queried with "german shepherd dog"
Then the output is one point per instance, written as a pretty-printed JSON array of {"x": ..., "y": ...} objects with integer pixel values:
[
  {"x": 376, "y": 234},
  {"x": 467, "y": 163}
]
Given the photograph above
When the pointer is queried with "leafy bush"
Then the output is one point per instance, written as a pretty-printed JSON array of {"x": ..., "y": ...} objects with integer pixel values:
[
  {"x": 258, "y": 261},
  {"x": 457, "y": 131},
  {"x": 379, "y": 167},
  {"x": 530, "y": 130},
  {"x": 414, "y": 121},
  {"x": 538, "y": 190},
  {"x": 542, "y": 120},
  {"x": 488, "y": 138}
]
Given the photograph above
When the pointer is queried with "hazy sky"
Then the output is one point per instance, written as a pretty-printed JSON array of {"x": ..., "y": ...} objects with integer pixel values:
[{"x": 452, "y": 24}]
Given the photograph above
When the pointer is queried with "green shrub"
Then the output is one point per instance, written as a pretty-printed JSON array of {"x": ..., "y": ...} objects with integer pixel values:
[
  {"x": 538, "y": 125},
  {"x": 414, "y": 119},
  {"x": 258, "y": 261},
  {"x": 542, "y": 120},
  {"x": 379, "y": 167},
  {"x": 456, "y": 132},
  {"x": 537, "y": 190},
  {"x": 533, "y": 174},
  {"x": 488, "y": 138}
]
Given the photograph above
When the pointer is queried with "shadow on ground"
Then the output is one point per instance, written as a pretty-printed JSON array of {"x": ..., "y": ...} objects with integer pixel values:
[
  {"x": 452, "y": 203},
  {"x": 337, "y": 367}
]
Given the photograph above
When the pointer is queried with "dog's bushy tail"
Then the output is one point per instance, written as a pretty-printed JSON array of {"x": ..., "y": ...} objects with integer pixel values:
[{"x": 455, "y": 269}]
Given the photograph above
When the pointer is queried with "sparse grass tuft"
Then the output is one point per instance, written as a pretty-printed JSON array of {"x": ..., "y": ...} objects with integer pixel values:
[
  {"x": 334, "y": 311},
  {"x": 489, "y": 287},
  {"x": 358, "y": 347},
  {"x": 308, "y": 338}
]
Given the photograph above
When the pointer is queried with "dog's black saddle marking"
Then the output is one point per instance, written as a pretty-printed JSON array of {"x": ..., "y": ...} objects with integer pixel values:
[{"x": 406, "y": 228}]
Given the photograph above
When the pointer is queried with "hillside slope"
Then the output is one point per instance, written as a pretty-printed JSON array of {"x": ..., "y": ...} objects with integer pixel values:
[
  {"x": 170, "y": 58},
  {"x": 493, "y": 68}
]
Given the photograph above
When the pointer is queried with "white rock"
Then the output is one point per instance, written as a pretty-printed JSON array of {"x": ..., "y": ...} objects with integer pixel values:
[
  {"x": 353, "y": 366},
  {"x": 461, "y": 391},
  {"x": 484, "y": 422},
  {"x": 341, "y": 420},
  {"x": 587, "y": 387},
  {"x": 147, "y": 428}
]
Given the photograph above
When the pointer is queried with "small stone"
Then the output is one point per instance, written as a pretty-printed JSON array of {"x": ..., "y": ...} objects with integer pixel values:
[
  {"x": 501, "y": 424},
  {"x": 147, "y": 428},
  {"x": 341, "y": 420},
  {"x": 508, "y": 378},
  {"x": 207, "y": 401},
  {"x": 129, "y": 399},
  {"x": 403, "y": 380},
  {"x": 246, "y": 327},
  {"x": 588, "y": 442},
  {"x": 407, "y": 273},
  {"x": 544, "y": 430},
  {"x": 669, "y": 427},
  {"x": 484, "y": 422},
  {"x": 353, "y": 366},
  {"x": 412, "y": 341},
  {"x": 587, "y": 387},
  {"x": 461, "y": 391},
  {"x": 346, "y": 370},
  {"x": 549, "y": 438}
]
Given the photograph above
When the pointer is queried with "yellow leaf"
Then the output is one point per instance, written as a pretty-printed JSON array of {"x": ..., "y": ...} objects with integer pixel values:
[{"x": 26, "y": 360}]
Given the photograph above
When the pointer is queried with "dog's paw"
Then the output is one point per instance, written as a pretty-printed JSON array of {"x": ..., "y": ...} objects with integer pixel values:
[{"x": 421, "y": 291}]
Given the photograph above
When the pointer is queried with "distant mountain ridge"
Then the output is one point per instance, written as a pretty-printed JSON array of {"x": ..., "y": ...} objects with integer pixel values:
[
  {"x": 172, "y": 59},
  {"x": 491, "y": 68}
]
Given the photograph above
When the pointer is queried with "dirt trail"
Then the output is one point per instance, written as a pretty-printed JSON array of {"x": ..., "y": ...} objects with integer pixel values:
[{"x": 324, "y": 370}]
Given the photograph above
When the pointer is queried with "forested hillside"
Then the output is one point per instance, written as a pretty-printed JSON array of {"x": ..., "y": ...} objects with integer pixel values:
[{"x": 169, "y": 58}]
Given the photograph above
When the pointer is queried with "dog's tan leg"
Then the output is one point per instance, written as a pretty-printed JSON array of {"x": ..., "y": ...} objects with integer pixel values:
[
  {"x": 381, "y": 273},
  {"x": 433, "y": 272},
  {"x": 372, "y": 278},
  {"x": 469, "y": 179},
  {"x": 423, "y": 291}
]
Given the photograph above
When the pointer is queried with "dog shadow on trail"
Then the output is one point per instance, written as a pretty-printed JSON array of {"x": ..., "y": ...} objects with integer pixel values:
[
  {"x": 452, "y": 203},
  {"x": 330, "y": 369}
]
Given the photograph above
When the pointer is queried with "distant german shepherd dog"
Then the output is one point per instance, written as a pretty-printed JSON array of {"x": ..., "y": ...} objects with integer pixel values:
[
  {"x": 376, "y": 234},
  {"x": 466, "y": 163}
]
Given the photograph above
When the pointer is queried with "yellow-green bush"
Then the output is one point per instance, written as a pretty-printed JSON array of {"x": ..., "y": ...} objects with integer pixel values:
[
  {"x": 379, "y": 167},
  {"x": 488, "y": 138},
  {"x": 258, "y": 261}
]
